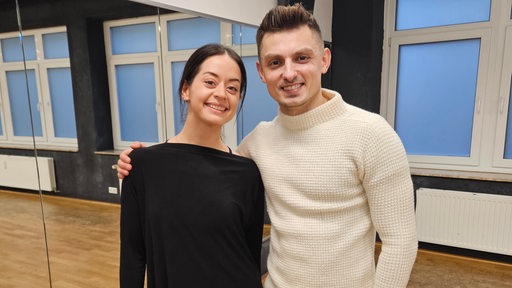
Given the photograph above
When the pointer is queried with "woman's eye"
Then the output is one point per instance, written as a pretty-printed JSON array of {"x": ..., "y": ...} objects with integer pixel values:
[
  {"x": 233, "y": 89},
  {"x": 209, "y": 83}
]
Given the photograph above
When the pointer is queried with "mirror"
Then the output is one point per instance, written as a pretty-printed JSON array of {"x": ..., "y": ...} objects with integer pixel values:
[
  {"x": 67, "y": 220},
  {"x": 24, "y": 242}
]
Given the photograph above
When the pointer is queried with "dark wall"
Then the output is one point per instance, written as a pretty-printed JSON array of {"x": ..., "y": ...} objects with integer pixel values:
[
  {"x": 357, "y": 33},
  {"x": 84, "y": 174}
]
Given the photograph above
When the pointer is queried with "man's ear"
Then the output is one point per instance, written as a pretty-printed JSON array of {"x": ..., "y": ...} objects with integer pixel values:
[
  {"x": 326, "y": 60},
  {"x": 260, "y": 72}
]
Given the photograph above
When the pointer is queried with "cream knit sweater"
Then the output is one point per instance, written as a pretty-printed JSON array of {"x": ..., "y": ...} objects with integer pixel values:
[{"x": 333, "y": 176}]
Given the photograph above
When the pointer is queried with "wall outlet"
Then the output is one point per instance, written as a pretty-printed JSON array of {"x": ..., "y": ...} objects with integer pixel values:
[{"x": 112, "y": 190}]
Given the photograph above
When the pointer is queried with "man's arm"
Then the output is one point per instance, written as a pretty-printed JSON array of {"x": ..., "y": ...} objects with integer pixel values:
[
  {"x": 123, "y": 164},
  {"x": 390, "y": 192}
]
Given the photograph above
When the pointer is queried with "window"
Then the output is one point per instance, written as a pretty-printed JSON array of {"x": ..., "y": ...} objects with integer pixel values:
[
  {"x": 446, "y": 85},
  {"x": 45, "y": 86},
  {"x": 145, "y": 67}
]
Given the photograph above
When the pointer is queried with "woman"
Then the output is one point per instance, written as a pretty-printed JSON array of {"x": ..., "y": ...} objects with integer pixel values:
[{"x": 191, "y": 210}]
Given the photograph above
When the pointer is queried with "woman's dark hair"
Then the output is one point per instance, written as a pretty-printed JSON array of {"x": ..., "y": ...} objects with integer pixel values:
[{"x": 197, "y": 58}]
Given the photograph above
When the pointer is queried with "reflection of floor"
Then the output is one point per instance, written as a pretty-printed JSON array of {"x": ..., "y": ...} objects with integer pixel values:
[{"x": 83, "y": 240}]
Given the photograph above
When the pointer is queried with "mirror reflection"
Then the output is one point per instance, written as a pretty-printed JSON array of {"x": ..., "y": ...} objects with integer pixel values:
[{"x": 73, "y": 71}]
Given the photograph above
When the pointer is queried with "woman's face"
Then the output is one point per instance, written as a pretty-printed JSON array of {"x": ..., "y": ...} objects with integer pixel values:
[{"x": 214, "y": 93}]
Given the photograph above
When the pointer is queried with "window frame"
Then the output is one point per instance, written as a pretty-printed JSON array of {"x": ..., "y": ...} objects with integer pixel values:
[
  {"x": 135, "y": 58},
  {"x": 503, "y": 104},
  {"x": 40, "y": 65},
  {"x": 484, "y": 161},
  {"x": 163, "y": 59}
]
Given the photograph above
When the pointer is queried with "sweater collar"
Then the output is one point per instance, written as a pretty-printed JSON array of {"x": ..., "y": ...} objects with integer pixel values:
[{"x": 334, "y": 107}]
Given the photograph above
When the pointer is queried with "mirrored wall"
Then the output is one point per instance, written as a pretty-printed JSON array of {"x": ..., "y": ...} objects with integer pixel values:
[{"x": 79, "y": 82}]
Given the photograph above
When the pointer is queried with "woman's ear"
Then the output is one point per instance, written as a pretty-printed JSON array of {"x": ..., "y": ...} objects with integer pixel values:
[{"x": 185, "y": 93}]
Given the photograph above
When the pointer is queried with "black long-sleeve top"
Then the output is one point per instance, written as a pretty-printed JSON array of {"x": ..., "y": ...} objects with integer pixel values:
[{"x": 193, "y": 216}]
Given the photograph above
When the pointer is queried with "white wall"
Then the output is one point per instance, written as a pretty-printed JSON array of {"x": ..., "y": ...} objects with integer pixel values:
[
  {"x": 248, "y": 12},
  {"x": 323, "y": 15}
]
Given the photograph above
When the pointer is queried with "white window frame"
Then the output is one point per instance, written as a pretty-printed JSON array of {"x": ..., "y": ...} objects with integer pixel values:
[
  {"x": 503, "y": 103},
  {"x": 40, "y": 66},
  {"x": 163, "y": 59},
  {"x": 138, "y": 58},
  {"x": 486, "y": 158}
]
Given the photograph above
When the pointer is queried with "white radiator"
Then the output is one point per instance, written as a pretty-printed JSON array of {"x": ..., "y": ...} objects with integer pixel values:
[
  {"x": 20, "y": 172},
  {"x": 468, "y": 220}
]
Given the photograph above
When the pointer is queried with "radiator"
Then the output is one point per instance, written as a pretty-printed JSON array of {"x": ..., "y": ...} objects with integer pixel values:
[
  {"x": 20, "y": 172},
  {"x": 475, "y": 221}
]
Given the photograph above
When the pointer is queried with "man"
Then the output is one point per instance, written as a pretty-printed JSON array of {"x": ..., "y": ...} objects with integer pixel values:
[{"x": 334, "y": 174}]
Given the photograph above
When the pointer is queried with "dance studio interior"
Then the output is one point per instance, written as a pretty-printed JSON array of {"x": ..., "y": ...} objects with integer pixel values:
[{"x": 80, "y": 80}]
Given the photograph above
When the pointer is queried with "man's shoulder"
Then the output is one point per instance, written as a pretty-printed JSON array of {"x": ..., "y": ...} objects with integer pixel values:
[{"x": 262, "y": 128}]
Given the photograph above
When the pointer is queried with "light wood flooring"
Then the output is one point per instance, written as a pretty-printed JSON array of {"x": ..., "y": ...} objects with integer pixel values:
[{"x": 83, "y": 243}]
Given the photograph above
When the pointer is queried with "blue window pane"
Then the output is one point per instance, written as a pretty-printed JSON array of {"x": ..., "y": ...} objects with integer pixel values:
[
  {"x": 179, "y": 117},
  {"x": 11, "y": 49},
  {"x": 136, "y": 96},
  {"x": 436, "y": 97},
  {"x": 1, "y": 130},
  {"x": 204, "y": 31},
  {"x": 508, "y": 140},
  {"x": 19, "y": 103},
  {"x": 258, "y": 105},
  {"x": 137, "y": 38},
  {"x": 243, "y": 34},
  {"x": 413, "y": 14},
  {"x": 55, "y": 45},
  {"x": 61, "y": 94}
]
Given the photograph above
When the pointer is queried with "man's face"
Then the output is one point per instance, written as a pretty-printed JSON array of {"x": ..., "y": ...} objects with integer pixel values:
[{"x": 291, "y": 63}]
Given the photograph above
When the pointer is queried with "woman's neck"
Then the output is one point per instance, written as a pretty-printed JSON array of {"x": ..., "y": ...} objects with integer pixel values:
[{"x": 205, "y": 136}]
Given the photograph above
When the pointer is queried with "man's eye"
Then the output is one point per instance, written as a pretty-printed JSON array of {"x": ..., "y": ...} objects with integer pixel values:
[
  {"x": 302, "y": 58},
  {"x": 274, "y": 63}
]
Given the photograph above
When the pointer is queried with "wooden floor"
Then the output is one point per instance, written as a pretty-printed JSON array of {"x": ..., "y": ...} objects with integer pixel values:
[{"x": 83, "y": 243}]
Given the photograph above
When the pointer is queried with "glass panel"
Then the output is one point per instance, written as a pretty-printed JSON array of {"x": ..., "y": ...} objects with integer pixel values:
[
  {"x": 11, "y": 49},
  {"x": 204, "y": 31},
  {"x": 258, "y": 105},
  {"x": 63, "y": 109},
  {"x": 413, "y": 14},
  {"x": 508, "y": 140},
  {"x": 17, "y": 90},
  {"x": 179, "y": 118},
  {"x": 243, "y": 34},
  {"x": 435, "y": 97},
  {"x": 55, "y": 45},
  {"x": 136, "y": 94},
  {"x": 1, "y": 129},
  {"x": 137, "y": 38}
]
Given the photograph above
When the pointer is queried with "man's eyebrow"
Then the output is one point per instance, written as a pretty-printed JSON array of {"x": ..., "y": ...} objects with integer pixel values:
[{"x": 305, "y": 50}]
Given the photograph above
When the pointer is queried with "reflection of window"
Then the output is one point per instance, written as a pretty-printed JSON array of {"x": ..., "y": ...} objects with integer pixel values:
[
  {"x": 145, "y": 67},
  {"x": 446, "y": 85},
  {"x": 42, "y": 83}
]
